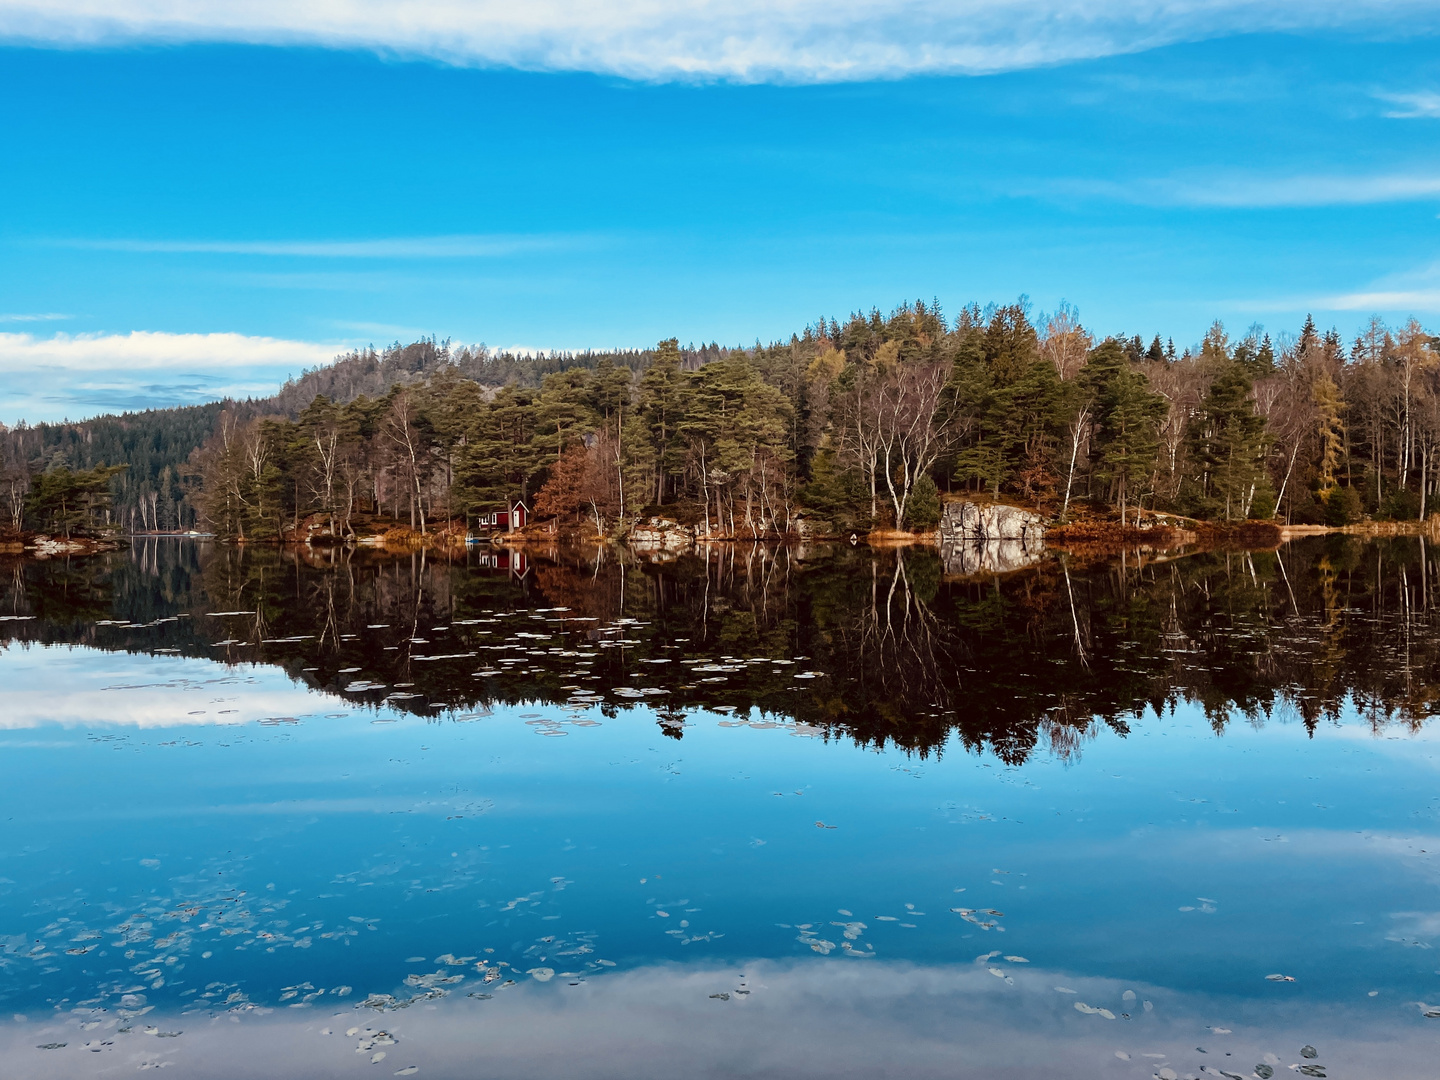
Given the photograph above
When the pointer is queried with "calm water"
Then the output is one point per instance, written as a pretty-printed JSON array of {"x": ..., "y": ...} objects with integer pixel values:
[{"x": 821, "y": 813}]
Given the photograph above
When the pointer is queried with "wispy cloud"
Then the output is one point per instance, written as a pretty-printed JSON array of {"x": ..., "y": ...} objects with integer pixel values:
[
  {"x": 1410, "y": 292},
  {"x": 1241, "y": 191},
  {"x": 748, "y": 40},
  {"x": 1307, "y": 190},
  {"x": 1408, "y": 300},
  {"x": 402, "y": 247},
  {"x": 1425, "y": 104},
  {"x": 48, "y": 316}
]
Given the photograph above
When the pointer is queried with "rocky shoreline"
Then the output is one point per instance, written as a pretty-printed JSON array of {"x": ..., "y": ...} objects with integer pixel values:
[{"x": 42, "y": 546}]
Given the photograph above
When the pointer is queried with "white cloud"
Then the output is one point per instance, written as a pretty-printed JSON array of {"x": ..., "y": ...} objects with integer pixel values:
[
  {"x": 1424, "y": 104},
  {"x": 149, "y": 350},
  {"x": 48, "y": 316},
  {"x": 748, "y": 40},
  {"x": 70, "y": 377}
]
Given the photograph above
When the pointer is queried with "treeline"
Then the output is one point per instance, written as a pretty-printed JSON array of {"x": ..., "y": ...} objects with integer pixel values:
[
  {"x": 857, "y": 425},
  {"x": 159, "y": 489},
  {"x": 152, "y": 492}
]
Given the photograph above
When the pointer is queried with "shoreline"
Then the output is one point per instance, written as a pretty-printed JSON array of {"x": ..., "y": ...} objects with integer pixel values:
[{"x": 1093, "y": 539}]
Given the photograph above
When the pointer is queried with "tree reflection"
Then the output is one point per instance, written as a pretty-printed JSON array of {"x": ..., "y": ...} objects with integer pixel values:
[{"x": 880, "y": 647}]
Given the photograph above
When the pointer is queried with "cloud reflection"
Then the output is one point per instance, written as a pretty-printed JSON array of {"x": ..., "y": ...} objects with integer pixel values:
[
  {"x": 831, "y": 1018},
  {"x": 80, "y": 687}
]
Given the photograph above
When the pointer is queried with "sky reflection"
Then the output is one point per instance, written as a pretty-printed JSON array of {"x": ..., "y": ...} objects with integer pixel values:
[{"x": 248, "y": 879}]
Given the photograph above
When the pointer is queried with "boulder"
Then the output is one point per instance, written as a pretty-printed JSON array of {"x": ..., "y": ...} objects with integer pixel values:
[
  {"x": 993, "y": 539},
  {"x": 967, "y": 521},
  {"x": 658, "y": 534}
]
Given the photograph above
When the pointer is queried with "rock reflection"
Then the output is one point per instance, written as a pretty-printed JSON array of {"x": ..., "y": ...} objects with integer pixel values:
[
  {"x": 969, "y": 558},
  {"x": 882, "y": 647}
]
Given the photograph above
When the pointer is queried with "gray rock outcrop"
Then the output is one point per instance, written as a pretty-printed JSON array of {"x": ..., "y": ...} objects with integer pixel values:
[
  {"x": 655, "y": 535},
  {"x": 992, "y": 539},
  {"x": 967, "y": 521}
]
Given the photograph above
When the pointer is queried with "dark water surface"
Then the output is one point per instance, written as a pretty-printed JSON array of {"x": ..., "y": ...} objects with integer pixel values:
[{"x": 770, "y": 813}]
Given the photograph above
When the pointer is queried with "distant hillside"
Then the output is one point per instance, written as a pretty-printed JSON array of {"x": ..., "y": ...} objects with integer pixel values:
[
  {"x": 371, "y": 373},
  {"x": 157, "y": 443}
]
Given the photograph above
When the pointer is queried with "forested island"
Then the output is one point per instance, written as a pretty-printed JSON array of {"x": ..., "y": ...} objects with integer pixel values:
[{"x": 844, "y": 428}]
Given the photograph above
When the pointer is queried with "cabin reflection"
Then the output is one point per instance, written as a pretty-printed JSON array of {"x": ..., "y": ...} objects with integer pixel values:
[{"x": 503, "y": 560}]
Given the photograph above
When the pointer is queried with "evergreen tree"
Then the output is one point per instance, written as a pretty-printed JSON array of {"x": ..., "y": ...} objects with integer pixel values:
[
  {"x": 662, "y": 406},
  {"x": 1228, "y": 446},
  {"x": 922, "y": 512},
  {"x": 1124, "y": 444}
]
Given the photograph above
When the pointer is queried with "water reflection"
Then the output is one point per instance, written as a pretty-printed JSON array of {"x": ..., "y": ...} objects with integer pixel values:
[
  {"x": 579, "y": 814},
  {"x": 973, "y": 558},
  {"x": 879, "y": 647},
  {"x": 770, "y": 1019}
]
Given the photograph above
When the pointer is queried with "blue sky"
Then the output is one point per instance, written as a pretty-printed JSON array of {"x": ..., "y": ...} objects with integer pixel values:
[{"x": 199, "y": 206}]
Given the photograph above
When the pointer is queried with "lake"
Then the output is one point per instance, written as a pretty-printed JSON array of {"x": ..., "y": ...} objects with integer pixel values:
[{"x": 760, "y": 812}]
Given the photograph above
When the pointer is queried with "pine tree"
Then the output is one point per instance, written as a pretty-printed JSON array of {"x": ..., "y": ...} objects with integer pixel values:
[
  {"x": 1125, "y": 444},
  {"x": 1228, "y": 445},
  {"x": 662, "y": 407}
]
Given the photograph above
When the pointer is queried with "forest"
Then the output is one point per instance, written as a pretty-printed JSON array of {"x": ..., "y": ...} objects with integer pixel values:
[{"x": 850, "y": 426}]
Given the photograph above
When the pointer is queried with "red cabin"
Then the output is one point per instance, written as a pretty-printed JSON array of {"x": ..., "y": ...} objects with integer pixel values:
[{"x": 516, "y": 517}]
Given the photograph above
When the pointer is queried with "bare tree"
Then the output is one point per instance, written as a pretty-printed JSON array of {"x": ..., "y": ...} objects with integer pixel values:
[{"x": 402, "y": 431}]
